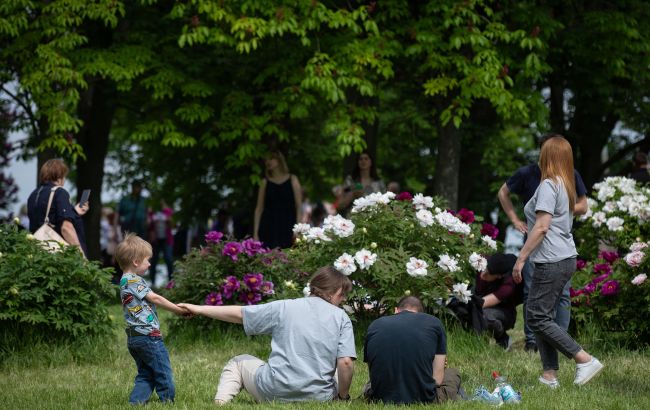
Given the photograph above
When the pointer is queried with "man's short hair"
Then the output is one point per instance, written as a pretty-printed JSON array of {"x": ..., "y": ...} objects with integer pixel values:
[
  {"x": 411, "y": 303},
  {"x": 501, "y": 264},
  {"x": 132, "y": 249}
]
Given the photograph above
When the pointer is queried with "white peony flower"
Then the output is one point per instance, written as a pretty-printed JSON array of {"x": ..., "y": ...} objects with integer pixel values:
[
  {"x": 615, "y": 224},
  {"x": 340, "y": 226},
  {"x": 416, "y": 267},
  {"x": 448, "y": 263},
  {"x": 637, "y": 246},
  {"x": 489, "y": 242},
  {"x": 609, "y": 207},
  {"x": 345, "y": 264},
  {"x": 639, "y": 279},
  {"x": 606, "y": 192},
  {"x": 461, "y": 292},
  {"x": 422, "y": 202},
  {"x": 634, "y": 258},
  {"x": 365, "y": 258},
  {"x": 425, "y": 218},
  {"x": 598, "y": 219},
  {"x": 477, "y": 262},
  {"x": 451, "y": 223},
  {"x": 317, "y": 234},
  {"x": 301, "y": 229}
]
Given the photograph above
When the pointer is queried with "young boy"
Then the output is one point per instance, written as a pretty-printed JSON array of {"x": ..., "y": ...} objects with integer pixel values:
[{"x": 144, "y": 340}]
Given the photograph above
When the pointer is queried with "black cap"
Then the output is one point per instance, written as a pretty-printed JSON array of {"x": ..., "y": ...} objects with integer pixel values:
[{"x": 501, "y": 264}]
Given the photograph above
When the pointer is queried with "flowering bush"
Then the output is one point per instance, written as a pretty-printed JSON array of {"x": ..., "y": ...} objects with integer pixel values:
[
  {"x": 614, "y": 291},
  {"x": 395, "y": 246},
  {"x": 232, "y": 273},
  {"x": 619, "y": 213},
  {"x": 611, "y": 289}
]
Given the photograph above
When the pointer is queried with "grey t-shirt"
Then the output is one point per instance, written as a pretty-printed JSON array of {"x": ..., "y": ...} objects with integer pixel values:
[
  {"x": 308, "y": 336},
  {"x": 557, "y": 245}
]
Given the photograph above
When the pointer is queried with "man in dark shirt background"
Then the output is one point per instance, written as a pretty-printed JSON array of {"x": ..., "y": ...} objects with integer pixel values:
[
  {"x": 406, "y": 355},
  {"x": 524, "y": 183},
  {"x": 500, "y": 296}
]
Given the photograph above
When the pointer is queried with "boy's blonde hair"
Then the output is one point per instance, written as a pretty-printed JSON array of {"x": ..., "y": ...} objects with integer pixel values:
[{"x": 132, "y": 248}]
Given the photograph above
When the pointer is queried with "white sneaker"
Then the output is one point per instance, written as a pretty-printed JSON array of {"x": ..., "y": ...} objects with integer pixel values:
[
  {"x": 553, "y": 384},
  {"x": 586, "y": 371}
]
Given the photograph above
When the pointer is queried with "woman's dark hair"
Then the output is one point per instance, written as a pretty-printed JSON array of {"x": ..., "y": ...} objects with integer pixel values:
[
  {"x": 356, "y": 172},
  {"x": 327, "y": 281},
  {"x": 53, "y": 170}
]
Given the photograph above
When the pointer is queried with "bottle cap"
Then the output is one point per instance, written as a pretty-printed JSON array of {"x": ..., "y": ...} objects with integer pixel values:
[{"x": 495, "y": 374}]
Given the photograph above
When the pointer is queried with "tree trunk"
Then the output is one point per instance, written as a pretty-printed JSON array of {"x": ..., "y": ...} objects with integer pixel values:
[
  {"x": 96, "y": 109},
  {"x": 557, "y": 104},
  {"x": 445, "y": 181},
  {"x": 47, "y": 154}
]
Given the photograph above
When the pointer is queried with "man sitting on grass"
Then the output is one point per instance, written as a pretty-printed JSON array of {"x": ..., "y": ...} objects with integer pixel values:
[
  {"x": 499, "y": 294},
  {"x": 406, "y": 355}
]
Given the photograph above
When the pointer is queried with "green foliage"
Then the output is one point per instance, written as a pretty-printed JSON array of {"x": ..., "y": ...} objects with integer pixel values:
[
  {"x": 50, "y": 296},
  {"x": 391, "y": 233}
]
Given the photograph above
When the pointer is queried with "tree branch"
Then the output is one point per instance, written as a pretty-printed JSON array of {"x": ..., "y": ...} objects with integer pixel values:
[
  {"x": 620, "y": 154},
  {"x": 26, "y": 108}
]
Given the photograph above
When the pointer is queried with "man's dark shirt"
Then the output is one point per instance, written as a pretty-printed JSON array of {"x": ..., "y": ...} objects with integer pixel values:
[
  {"x": 399, "y": 350},
  {"x": 525, "y": 181},
  {"x": 504, "y": 289}
]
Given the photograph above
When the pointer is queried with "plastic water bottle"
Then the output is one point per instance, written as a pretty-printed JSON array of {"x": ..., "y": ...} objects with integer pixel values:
[
  {"x": 508, "y": 394},
  {"x": 483, "y": 395}
]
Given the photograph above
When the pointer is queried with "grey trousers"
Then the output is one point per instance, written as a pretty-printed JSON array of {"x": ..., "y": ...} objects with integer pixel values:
[{"x": 548, "y": 282}]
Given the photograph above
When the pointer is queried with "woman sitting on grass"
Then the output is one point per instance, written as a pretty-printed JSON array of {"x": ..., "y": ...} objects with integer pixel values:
[{"x": 311, "y": 339}]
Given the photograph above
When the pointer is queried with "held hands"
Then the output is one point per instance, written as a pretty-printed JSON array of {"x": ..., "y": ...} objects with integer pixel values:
[
  {"x": 516, "y": 270},
  {"x": 184, "y": 312},
  {"x": 82, "y": 209},
  {"x": 190, "y": 308}
]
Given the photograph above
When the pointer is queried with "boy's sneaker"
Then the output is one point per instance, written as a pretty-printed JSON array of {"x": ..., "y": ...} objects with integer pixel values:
[
  {"x": 553, "y": 384},
  {"x": 586, "y": 371}
]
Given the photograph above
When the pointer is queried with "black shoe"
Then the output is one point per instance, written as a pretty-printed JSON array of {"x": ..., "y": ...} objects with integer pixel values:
[
  {"x": 505, "y": 342},
  {"x": 530, "y": 347}
]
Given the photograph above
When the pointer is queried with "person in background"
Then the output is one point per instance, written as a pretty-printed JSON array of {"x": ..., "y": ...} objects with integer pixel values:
[
  {"x": 640, "y": 172},
  {"x": 162, "y": 240},
  {"x": 111, "y": 235},
  {"x": 132, "y": 212},
  {"x": 363, "y": 181},
  {"x": 524, "y": 183},
  {"x": 65, "y": 218},
  {"x": 23, "y": 217},
  {"x": 312, "y": 345},
  {"x": 394, "y": 187},
  {"x": 499, "y": 293},
  {"x": 550, "y": 247},
  {"x": 279, "y": 204},
  {"x": 407, "y": 358}
]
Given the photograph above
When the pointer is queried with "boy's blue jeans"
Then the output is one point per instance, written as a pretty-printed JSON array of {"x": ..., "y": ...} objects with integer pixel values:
[{"x": 154, "y": 369}]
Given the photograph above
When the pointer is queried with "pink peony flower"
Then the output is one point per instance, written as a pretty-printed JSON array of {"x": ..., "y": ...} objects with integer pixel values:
[
  {"x": 580, "y": 264},
  {"x": 253, "y": 281},
  {"x": 250, "y": 297},
  {"x": 467, "y": 216},
  {"x": 213, "y": 236},
  {"x": 232, "y": 249},
  {"x": 267, "y": 288},
  {"x": 573, "y": 293},
  {"x": 600, "y": 278},
  {"x": 230, "y": 286},
  {"x": 253, "y": 247},
  {"x": 214, "y": 299},
  {"x": 639, "y": 279},
  {"x": 171, "y": 284},
  {"x": 634, "y": 259},
  {"x": 602, "y": 268},
  {"x": 589, "y": 288},
  {"x": 404, "y": 196},
  {"x": 490, "y": 230},
  {"x": 609, "y": 288},
  {"x": 610, "y": 257}
]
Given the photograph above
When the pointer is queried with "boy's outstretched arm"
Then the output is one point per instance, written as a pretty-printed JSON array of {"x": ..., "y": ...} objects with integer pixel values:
[
  {"x": 232, "y": 314},
  {"x": 162, "y": 302}
]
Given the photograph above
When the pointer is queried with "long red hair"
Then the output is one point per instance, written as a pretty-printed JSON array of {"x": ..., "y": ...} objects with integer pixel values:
[{"x": 556, "y": 163}]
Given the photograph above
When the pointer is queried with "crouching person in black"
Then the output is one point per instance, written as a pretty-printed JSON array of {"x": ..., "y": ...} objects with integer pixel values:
[
  {"x": 500, "y": 296},
  {"x": 407, "y": 358}
]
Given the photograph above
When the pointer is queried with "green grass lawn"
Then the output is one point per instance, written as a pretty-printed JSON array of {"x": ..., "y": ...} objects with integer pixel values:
[{"x": 99, "y": 374}]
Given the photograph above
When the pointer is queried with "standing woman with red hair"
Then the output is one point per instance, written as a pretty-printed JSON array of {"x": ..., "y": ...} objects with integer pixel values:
[{"x": 550, "y": 246}]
